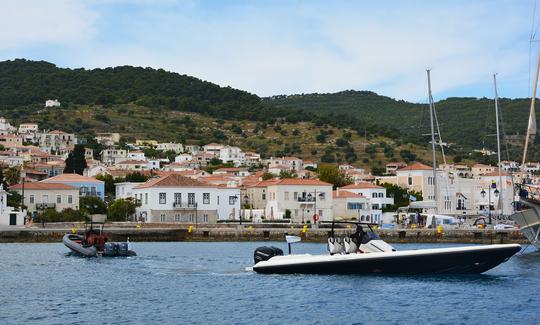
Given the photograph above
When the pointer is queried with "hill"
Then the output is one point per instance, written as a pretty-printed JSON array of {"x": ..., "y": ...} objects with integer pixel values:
[{"x": 467, "y": 122}]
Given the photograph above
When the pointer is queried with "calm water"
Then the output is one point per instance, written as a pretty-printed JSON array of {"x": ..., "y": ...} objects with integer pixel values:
[{"x": 179, "y": 283}]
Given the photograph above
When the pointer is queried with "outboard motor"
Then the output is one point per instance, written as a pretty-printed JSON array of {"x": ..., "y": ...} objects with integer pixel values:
[
  {"x": 264, "y": 253},
  {"x": 110, "y": 249},
  {"x": 123, "y": 249}
]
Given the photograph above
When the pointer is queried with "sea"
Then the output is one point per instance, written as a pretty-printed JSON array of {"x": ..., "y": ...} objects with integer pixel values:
[{"x": 207, "y": 283}]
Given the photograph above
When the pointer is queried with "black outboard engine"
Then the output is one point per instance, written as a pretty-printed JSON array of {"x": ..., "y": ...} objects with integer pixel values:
[
  {"x": 110, "y": 249},
  {"x": 264, "y": 253},
  {"x": 123, "y": 249}
]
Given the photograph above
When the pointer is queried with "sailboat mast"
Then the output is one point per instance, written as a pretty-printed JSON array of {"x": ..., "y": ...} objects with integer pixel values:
[
  {"x": 501, "y": 201},
  {"x": 531, "y": 128},
  {"x": 431, "y": 118}
]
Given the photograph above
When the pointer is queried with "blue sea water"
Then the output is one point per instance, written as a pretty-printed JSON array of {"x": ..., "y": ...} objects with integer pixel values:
[{"x": 206, "y": 283}]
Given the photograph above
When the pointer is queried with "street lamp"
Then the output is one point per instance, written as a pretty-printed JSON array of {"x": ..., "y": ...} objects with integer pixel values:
[{"x": 496, "y": 193}]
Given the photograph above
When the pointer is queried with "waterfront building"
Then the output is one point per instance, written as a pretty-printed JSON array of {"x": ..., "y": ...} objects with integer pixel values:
[
  {"x": 39, "y": 196},
  {"x": 88, "y": 186},
  {"x": 374, "y": 193},
  {"x": 176, "y": 198},
  {"x": 354, "y": 206},
  {"x": 299, "y": 198}
]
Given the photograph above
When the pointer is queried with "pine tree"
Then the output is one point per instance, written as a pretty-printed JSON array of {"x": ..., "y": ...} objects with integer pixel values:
[{"x": 75, "y": 162}]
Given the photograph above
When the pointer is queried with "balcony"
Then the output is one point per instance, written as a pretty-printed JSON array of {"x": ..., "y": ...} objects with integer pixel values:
[
  {"x": 184, "y": 206},
  {"x": 43, "y": 206},
  {"x": 306, "y": 199}
]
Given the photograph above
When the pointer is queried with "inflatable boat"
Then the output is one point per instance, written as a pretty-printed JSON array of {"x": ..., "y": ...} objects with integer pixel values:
[
  {"x": 95, "y": 242},
  {"x": 365, "y": 253}
]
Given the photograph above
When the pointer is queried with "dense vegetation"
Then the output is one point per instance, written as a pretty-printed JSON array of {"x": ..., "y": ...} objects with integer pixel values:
[{"x": 468, "y": 123}]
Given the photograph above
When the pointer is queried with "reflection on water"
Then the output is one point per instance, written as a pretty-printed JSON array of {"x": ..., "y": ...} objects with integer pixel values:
[{"x": 207, "y": 283}]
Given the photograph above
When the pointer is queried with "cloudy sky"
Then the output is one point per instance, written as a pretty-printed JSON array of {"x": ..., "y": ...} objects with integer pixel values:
[{"x": 286, "y": 47}]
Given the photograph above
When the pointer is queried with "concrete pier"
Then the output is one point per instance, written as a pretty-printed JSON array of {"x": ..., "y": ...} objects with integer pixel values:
[{"x": 175, "y": 232}]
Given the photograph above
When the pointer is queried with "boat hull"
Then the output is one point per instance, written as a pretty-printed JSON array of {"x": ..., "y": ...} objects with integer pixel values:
[
  {"x": 72, "y": 242},
  {"x": 460, "y": 260}
]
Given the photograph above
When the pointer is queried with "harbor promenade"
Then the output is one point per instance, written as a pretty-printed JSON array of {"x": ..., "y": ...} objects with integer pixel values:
[{"x": 53, "y": 232}]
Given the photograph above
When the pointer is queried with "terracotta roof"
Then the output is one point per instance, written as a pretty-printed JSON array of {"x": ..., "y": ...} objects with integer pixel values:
[
  {"x": 132, "y": 162},
  {"x": 301, "y": 181},
  {"x": 416, "y": 166},
  {"x": 43, "y": 186},
  {"x": 346, "y": 194},
  {"x": 361, "y": 185},
  {"x": 57, "y": 132},
  {"x": 172, "y": 180},
  {"x": 71, "y": 178}
]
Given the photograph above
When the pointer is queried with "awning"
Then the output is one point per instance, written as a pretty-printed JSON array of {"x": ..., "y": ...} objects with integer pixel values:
[{"x": 423, "y": 205}]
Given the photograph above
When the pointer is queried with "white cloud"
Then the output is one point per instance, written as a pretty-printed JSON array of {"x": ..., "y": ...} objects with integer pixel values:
[
  {"x": 274, "y": 48},
  {"x": 35, "y": 22}
]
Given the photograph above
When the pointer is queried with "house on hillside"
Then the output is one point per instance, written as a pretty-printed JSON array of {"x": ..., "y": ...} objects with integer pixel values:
[{"x": 88, "y": 186}]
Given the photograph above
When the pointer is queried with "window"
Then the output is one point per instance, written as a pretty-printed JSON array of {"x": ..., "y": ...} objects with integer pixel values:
[
  {"x": 162, "y": 198},
  {"x": 286, "y": 196},
  {"x": 32, "y": 199},
  {"x": 322, "y": 195},
  {"x": 70, "y": 199},
  {"x": 296, "y": 212},
  {"x": 295, "y": 196},
  {"x": 381, "y": 195},
  {"x": 162, "y": 218},
  {"x": 205, "y": 218},
  {"x": 45, "y": 198},
  {"x": 191, "y": 198},
  {"x": 191, "y": 218},
  {"x": 373, "y": 195},
  {"x": 264, "y": 196},
  {"x": 320, "y": 213},
  {"x": 354, "y": 206},
  {"x": 409, "y": 180},
  {"x": 206, "y": 198},
  {"x": 177, "y": 218},
  {"x": 145, "y": 198},
  {"x": 58, "y": 199},
  {"x": 177, "y": 198}
]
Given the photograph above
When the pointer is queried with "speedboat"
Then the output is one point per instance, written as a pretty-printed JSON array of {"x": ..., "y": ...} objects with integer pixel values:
[
  {"x": 364, "y": 252},
  {"x": 95, "y": 242}
]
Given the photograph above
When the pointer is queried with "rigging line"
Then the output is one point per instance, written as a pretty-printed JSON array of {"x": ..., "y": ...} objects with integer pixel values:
[
  {"x": 530, "y": 45},
  {"x": 439, "y": 133}
]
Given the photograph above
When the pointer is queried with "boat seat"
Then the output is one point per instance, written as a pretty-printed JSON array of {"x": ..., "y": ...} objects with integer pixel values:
[
  {"x": 350, "y": 245},
  {"x": 335, "y": 245}
]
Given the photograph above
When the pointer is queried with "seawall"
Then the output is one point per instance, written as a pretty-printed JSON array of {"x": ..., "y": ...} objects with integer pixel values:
[{"x": 161, "y": 233}]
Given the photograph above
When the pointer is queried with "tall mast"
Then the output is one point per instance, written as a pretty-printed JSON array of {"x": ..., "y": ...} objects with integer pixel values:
[
  {"x": 531, "y": 128},
  {"x": 501, "y": 201},
  {"x": 431, "y": 118}
]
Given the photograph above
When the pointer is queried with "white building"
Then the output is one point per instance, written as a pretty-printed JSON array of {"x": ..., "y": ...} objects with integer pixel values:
[
  {"x": 52, "y": 103},
  {"x": 175, "y": 198},
  {"x": 170, "y": 146},
  {"x": 113, "y": 156},
  {"x": 108, "y": 139},
  {"x": 8, "y": 216},
  {"x": 289, "y": 163},
  {"x": 232, "y": 154},
  {"x": 353, "y": 206},
  {"x": 5, "y": 126},
  {"x": 374, "y": 193},
  {"x": 302, "y": 198},
  {"x": 136, "y": 155},
  {"x": 213, "y": 148},
  {"x": 183, "y": 158}
]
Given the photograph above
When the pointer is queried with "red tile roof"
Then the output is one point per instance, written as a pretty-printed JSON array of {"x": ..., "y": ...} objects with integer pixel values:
[
  {"x": 173, "y": 180},
  {"x": 43, "y": 186},
  {"x": 71, "y": 178},
  {"x": 346, "y": 194},
  {"x": 416, "y": 166},
  {"x": 361, "y": 185},
  {"x": 301, "y": 181}
]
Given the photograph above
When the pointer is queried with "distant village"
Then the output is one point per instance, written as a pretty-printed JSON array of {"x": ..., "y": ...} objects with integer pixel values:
[{"x": 184, "y": 190}]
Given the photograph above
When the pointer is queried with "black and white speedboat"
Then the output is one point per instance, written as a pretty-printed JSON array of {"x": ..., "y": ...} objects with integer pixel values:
[{"x": 365, "y": 253}]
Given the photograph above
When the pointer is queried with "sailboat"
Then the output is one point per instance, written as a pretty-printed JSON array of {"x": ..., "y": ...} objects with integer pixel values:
[{"x": 528, "y": 214}]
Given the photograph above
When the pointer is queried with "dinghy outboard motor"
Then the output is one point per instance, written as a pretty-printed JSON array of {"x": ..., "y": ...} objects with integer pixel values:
[
  {"x": 123, "y": 249},
  {"x": 264, "y": 253},
  {"x": 110, "y": 249}
]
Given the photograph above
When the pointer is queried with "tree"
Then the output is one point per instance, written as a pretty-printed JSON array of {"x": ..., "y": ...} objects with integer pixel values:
[
  {"x": 329, "y": 173},
  {"x": 136, "y": 177},
  {"x": 110, "y": 188},
  {"x": 407, "y": 155},
  {"x": 12, "y": 175},
  {"x": 92, "y": 205},
  {"x": 401, "y": 196},
  {"x": 75, "y": 162},
  {"x": 287, "y": 174},
  {"x": 121, "y": 210},
  {"x": 266, "y": 176},
  {"x": 3, "y": 181}
]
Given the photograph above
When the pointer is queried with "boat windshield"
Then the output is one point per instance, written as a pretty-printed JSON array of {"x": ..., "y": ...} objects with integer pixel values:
[{"x": 369, "y": 235}]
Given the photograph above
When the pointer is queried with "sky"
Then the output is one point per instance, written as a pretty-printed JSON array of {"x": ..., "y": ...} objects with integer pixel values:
[{"x": 289, "y": 47}]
